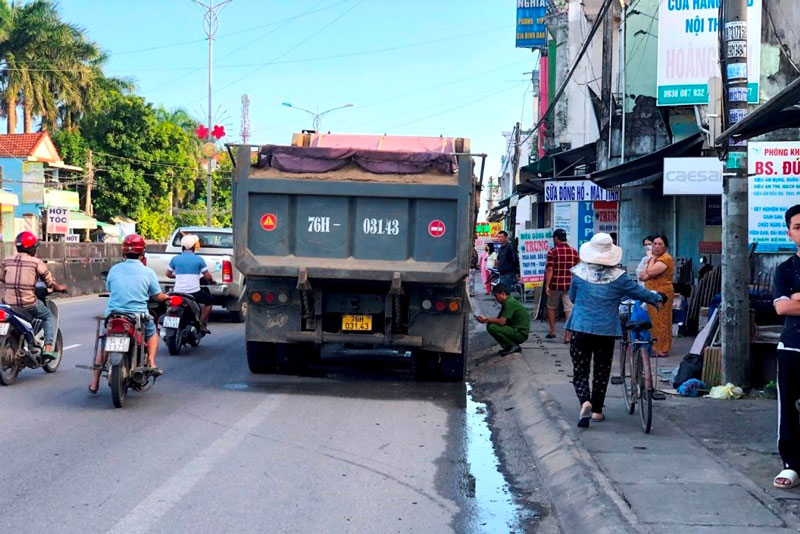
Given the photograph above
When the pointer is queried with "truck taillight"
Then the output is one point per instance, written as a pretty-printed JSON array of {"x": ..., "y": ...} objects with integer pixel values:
[{"x": 227, "y": 271}]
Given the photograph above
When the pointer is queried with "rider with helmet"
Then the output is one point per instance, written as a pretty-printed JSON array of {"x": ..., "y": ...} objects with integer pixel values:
[
  {"x": 19, "y": 274},
  {"x": 131, "y": 284},
  {"x": 187, "y": 269}
]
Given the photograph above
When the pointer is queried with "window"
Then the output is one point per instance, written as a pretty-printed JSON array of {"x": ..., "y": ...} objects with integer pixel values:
[{"x": 207, "y": 239}]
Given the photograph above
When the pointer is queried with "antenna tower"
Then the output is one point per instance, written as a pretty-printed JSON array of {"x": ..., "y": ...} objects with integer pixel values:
[{"x": 245, "y": 119}]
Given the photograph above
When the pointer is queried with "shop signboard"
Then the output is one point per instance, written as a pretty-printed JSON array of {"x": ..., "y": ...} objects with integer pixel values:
[
  {"x": 692, "y": 176},
  {"x": 774, "y": 170},
  {"x": 606, "y": 217},
  {"x": 688, "y": 50},
  {"x": 57, "y": 220},
  {"x": 533, "y": 247},
  {"x": 32, "y": 182},
  {"x": 577, "y": 191},
  {"x": 488, "y": 229},
  {"x": 531, "y": 23}
]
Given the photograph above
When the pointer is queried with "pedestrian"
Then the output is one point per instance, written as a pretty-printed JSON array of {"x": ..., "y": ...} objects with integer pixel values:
[
  {"x": 647, "y": 243},
  {"x": 488, "y": 248},
  {"x": 507, "y": 260},
  {"x": 598, "y": 287},
  {"x": 787, "y": 304},
  {"x": 512, "y": 325},
  {"x": 657, "y": 276},
  {"x": 557, "y": 278}
]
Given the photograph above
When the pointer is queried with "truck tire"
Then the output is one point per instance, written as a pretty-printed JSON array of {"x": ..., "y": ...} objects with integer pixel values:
[
  {"x": 452, "y": 367},
  {"x": 260, "y": 357},
  {"x": 293, "y": 358},
  {"x": 239, "y": 316},
  {"x": 424, "y": 365}
]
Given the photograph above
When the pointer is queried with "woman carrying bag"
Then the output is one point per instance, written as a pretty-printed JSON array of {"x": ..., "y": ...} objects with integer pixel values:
[{"x": 598, "y": 287}]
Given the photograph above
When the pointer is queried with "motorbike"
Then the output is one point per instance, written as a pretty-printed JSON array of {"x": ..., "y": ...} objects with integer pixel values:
[
  {"x": 22, "y": 340},
  {"x": 181, "y": 323},
  {"x": 124, "y": 358}
]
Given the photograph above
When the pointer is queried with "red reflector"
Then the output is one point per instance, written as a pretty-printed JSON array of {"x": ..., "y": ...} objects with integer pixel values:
[
  {"x": 227, "y": 271},
  {"x": 175, "y": 301},
  {"x": 3, "y": 315},
  {"x": 440, "y": 305},
  {"x": 269, "y": 298}
]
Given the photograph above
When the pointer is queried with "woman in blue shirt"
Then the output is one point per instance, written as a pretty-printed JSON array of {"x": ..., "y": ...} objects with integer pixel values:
[{"x": 598, "y": 287}]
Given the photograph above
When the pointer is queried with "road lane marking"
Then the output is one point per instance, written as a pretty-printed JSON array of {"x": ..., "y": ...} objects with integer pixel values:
[
  {"x": 75, "y": 346},
  {"x": 156, "y": 505}
]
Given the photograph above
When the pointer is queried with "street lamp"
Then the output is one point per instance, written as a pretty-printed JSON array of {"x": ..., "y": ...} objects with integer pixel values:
[{"x": 317, "y": 116}]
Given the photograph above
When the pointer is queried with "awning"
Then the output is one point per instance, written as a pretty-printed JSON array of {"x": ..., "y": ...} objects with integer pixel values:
[
  {"x": 777, "y": 113},
  {"x": 80, "y": 221},
  {"x": 649, "y": 165},
  {"x": 8, "y": 199},
  {"x": 568, "y": 160},
  {"x": 109, "y": 229}
]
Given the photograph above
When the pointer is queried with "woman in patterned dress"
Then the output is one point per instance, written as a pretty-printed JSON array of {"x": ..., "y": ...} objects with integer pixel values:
[{"x": 657, "y": 276}]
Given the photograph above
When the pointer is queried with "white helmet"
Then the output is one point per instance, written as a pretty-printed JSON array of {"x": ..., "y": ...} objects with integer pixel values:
[{"x": 189, "y": 241}]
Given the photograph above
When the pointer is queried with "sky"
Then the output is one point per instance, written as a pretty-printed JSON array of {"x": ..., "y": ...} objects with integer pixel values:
[{"x": 428, "y": 68}]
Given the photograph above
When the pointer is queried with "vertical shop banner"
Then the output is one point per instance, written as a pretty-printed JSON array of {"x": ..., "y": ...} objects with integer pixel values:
[
  {"x": 585, "y": 222},
  {"x": 565, "y": 217},
  {"x": 533, "y": 247},
  {"x": 32, "y": 182},
  {"x": 688, "y": 50},
  {"x": 774, "y": 170},
  {"x": 606, "y": 218},
  {"x": 531, "y": 23}
]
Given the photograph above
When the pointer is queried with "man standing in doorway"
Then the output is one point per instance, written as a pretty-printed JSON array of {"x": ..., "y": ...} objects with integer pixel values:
[
  {"x": 557, "y": 279},
  {"x": 507, "y": 261}
]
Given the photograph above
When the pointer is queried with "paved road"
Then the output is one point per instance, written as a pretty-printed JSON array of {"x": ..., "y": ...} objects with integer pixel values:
[{"x": 212, "y": 448}]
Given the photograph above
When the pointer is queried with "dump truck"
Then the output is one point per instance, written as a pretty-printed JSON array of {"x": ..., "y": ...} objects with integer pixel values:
[{"x": 363, "y": 242}]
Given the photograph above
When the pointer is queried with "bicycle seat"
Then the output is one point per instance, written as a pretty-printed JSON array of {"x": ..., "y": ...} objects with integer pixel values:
[{"x": 638, "y": 326}]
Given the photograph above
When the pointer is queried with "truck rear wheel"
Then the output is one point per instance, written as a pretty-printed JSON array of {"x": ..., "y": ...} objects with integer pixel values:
[
  {"x": 260, "y": 357},
  {"x": 424, "y": 365}
]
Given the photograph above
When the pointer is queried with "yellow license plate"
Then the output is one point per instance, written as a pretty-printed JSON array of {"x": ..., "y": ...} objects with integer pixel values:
[{"x": 357, "y": 323}]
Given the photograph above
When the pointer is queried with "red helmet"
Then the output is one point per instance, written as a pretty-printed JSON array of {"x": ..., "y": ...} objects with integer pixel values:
[
  {"x": 26, "y": 241},
  {"x": 133, "y": 244}
]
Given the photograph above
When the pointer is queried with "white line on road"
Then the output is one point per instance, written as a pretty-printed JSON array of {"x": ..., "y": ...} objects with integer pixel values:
[
  {"x": 75, "y": 346},
  {"x": 156, "y": 505}
]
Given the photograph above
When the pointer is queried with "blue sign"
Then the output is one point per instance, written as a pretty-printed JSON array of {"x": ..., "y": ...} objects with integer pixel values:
[
  {"x": 531, "y": 23},
  {"x": 585, "y": 222}
]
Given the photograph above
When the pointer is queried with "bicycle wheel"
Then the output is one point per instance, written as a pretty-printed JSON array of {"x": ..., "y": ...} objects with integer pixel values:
[
  {"x": 625, "y": 367},
  {"x": 644, "y": 394}
]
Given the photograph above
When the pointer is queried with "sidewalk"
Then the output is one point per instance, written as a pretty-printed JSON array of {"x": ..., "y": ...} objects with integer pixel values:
[{"x": 706, "y": 466}]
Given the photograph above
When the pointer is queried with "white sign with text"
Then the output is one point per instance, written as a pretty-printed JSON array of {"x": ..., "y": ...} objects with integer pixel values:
[{"x": 692, "y": 176}]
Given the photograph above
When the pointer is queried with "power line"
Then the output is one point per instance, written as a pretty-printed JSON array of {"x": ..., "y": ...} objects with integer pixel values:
[{"x": 292, "y": 49}]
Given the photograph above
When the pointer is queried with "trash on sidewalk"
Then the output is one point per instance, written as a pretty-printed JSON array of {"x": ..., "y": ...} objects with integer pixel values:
[
  {"x": 692, "y": 388},
  {"x": 726, "y": 392}
]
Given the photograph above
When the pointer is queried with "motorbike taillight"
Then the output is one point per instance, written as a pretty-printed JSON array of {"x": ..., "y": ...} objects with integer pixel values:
[
  {"x": 3, "y": 316},
  {"x": 119, "y": 325},
  {"x": 175, "y": 301},
  {"x": 227, "y": 271}
]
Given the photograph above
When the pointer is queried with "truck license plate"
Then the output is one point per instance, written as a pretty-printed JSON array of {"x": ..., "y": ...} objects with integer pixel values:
[
  {"x": 357, "y": 323},
  {"x": 172, "y": 322},
  {"x": 118, "y": 343}
]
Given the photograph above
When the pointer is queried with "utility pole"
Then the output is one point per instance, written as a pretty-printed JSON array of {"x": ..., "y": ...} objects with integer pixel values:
[
  {"x": 210, "y": 27},
  {"x": 605, "y": 88},
  {"x": 735, "y": 254},
  {"x": 88, "y": 208},
  {"x": 517, "y": 155}
]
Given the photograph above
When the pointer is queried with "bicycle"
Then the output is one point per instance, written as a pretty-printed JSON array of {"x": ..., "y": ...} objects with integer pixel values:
[{"x": 635, "y": 372}]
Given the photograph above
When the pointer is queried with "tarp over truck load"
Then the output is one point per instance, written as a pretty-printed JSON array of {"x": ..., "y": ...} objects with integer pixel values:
[{"x": 355, "y": 213}]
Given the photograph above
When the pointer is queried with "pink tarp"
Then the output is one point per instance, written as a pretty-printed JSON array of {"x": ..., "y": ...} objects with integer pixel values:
[{"x": 390, "y": 143}]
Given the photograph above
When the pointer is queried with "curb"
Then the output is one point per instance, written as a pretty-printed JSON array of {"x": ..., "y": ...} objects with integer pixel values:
[{"x": 570, "y": 475}]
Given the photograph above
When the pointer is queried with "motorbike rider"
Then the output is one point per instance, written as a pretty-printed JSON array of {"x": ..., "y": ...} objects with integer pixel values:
[
  {"x": 19, "y": 274},
  {"x": 187, "y": 269},
  {"x": 130, "y": 285}
]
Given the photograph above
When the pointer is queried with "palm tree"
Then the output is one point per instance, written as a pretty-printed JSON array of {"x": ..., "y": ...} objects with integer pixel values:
[{"x": 44, "y": 63}]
